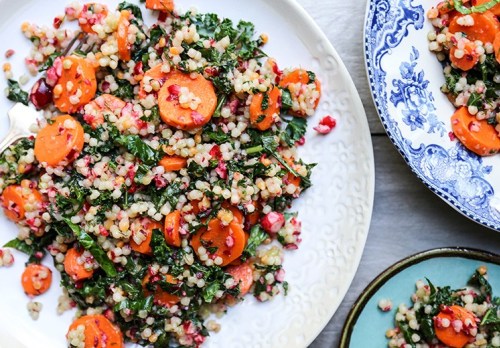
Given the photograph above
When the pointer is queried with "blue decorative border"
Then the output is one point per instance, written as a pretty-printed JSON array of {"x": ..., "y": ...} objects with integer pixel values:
[{"x": 455, "y": 174}]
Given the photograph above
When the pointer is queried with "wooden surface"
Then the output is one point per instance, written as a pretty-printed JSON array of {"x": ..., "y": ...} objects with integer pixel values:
[{"x": 407, "y": 217}]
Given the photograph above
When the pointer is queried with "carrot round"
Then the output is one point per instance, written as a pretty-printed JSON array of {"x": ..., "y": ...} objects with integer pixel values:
[
  {"x": 74, "y": 266},
  {"x": 496, "y": 47},
  {"x": 153, "y": 74},
  {"x": 99, "y": 331},
  {"x": 160, "y": 296},
  {"x": 227, "y": 242},
  {"x": 122, "y": 31},
  {"x": 448, "y": 335},
  {"x": 160, "y": 5},
  {"x": 94, "y": 111},
  {"x": 177, "y": 115},
  {"x": 59, "y": 141},
  {"x": 292, "y": 179},
  {"x": 16, "y": 199},
  {"x": 36, "y": 279},
  {"x": 91, "y": 14},
  {"x": 468, "y": 59},
  {"x": 485, "y": 27},
  {"x": 265, "y": 108},
  {"x": 173, "y": 163},
  {"x": 237, "y": 214},
  {"x": 76, "y": 86},
  {"x": 242, "y": 275},
  {"x": 172, "y": 226},
  {"x": 145, "y": 246},
  {"x": 300, "y": 76},
  {"x": 478, "y": 136}
]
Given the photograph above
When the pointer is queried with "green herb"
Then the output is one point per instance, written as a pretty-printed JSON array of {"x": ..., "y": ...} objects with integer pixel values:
[
  {"x": 210, "y": 291},
  {"x": 136, "y": 11},
  {"x": 312, "y": 77},
  {"x": 475, "y": 99},
  {"x": 137, "y": 147},
  {"x": 221, "y": 101},
  {"x": 15, "y": 93},
  {"x": 217, "y": 135},
  {"x": 407, "y": 333},
  {"x": 256, "y": 238},
  {"x": 294, "y": 131},
  {"x": 154, "y": 117},
  {"x": 49, "y": 62},
  {"x": 90, "y": 244},
  {"x": 265, "y": 102},
  {"x": 125, "y": 90},
  {"x": 286, "y": 100},
  {"x": 474, "y": 9}
]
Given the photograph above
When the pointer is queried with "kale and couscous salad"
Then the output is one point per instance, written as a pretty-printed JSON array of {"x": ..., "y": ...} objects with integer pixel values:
[{"x": 160, "y": 178}]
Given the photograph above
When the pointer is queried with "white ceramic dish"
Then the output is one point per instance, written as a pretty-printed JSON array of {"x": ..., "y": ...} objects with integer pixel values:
[
  {"x": 405, "y": 79},
  {"x": 335, "y": 212}
]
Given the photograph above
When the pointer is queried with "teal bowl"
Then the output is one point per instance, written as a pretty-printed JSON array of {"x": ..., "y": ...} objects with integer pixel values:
[{"x": 366, "y": 324}]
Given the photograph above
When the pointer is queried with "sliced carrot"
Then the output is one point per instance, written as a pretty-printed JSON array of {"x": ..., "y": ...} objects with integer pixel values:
[
  {"x": 99, "y": 332},
  {"x": 36, "y": 279},
  {"x": 237, "y": 214},
  {"x": 173, "y": 163},
  {"x": 74, "y": 266},
  {"x": 496, "y": 47},
  {"x": 76, "y": 86},
  {"x": 172, "y": 227},
  {"x": 243, "y": 275},
  {"x": 161, "y": 296},
  {"x": 17, "y": 199},
  {"x": 91, "y": 14},
  {"x": 182, "y": 116},
  {"x": 485, "y": 27},
  {"x": 495, "y": 9},
  {"x": 105, "y": 103},
  {"x": 124, "y": 47},
  {"x": 448, "y": 335},
  {"x": 478, "y": 136},
  {"x": 469, "y": 58},
  {"x": 153, "y": 74},
  {"x": 145, "y": 246},
  {"x": 292, "y": 179},
  {"x": 160, "y": 5},
  {"x": 265, "y": 108},
  {"x": 226, "y": 242},
  {"x": 60, "y": 141},
  {"x": 300, "y": 76}
]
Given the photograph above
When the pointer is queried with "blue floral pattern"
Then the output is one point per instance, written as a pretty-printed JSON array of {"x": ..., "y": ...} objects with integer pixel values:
[{"x": 451, "y": 171}]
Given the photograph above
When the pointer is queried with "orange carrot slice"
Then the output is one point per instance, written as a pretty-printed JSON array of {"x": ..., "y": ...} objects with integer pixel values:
[
  {"x": 74, "y": 266},
  {"x": 469, "y": 58},
  {"x": 485, "y": 27},
  {"x": 478, "y": 136},
  {"x": 160, "y": 5},
  {"x": 99, "y": 331},
  {"x": 300, "y": 76},
  {"x": 448, "y": 335},
  {"x": 105, "y": 103},
  {"x": 122, "y": 32},
  {"x": 226, "y": 242},
  {"x": 60, "y": 141},
  {"x": 243, "y": 276},
  {"x": 237, "y": 214},
  {"x": 76, "y": 86},
  {"x": 173, "y": 163},
  {"x": 178, "y": 115},
  {"x": 495, "y": 9},
  {"x": 16, "y": 199},
  {"x": 153, "y": 74},
  {"x": 172, "y": 226},
  {"x": 36, "y": 279},
  {"x": 264, "y": 109},
  {"x": 145, "y": 246},
  {"x": 91, "y": 14},
  {"x": 496, "y": 47},
  {"x": 161, "y": 296}
]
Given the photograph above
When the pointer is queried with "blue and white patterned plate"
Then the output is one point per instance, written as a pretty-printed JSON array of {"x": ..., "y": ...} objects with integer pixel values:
[{"x": 405, "y": 80}]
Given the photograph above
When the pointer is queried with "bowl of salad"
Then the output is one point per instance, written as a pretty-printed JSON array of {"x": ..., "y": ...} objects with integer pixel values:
[{"x": 153, "y": 200}]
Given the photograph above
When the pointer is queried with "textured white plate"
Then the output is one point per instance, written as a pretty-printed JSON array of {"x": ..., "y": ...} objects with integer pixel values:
[
  {"x": 405, "y": 79},
  {"x": 335, "y": 212}
]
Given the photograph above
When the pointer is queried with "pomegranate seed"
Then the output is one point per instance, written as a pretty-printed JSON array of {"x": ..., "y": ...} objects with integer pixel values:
[
  {"x": 41, "y": 94},
  {"x": 272, "y": 222}
]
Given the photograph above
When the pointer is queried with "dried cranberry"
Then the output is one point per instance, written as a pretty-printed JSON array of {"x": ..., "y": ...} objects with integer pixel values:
[{"x": 41, "y": 94}]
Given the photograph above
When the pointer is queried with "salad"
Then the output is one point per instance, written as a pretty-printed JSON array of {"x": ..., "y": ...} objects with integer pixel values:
[
  {"x": 466, "y": 39},
  {"x": 444, "y": 317},
  {"x": 160, "y": 178}
]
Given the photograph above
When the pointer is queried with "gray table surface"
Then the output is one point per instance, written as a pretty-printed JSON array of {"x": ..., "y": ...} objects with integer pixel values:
[{"x": 404, "y": 208}]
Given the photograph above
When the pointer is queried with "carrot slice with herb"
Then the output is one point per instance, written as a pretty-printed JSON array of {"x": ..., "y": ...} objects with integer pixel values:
[
  {"x": 74, "y": 265},
  {"x": 237, "y": 214},
  {"x": 154, "y": 77},
  {"x": 181, "y": 114},
  {"x": 298, "y": 78},
  {"x": 16, "y": 199},
  {"x": 99, "y": 331},
  {"x": 265, "y": 108},
  {"x": 76, "y": 86},
  {"x": 145, "y": 246},
  {"x": 468, "y": 56},
  {"x": 173, "y": 163},
  {"x": 160, "y": 296},
  {"x": 36, "y": 279},
  {"x": 485, "y": 27},
  {"x": 242, "y": 275},
  {"x": 122, "y": 32},
  {"x": 59, "y": 141},
  {"x": 105, "y": 103},
  {"x": 91, "y": 14},
  {"x": 478, "y": 136},
  {"x": 172, "y": 226},
  {"x": 226, "y": 242},
  {"x": 160, "y": 5},
  {"x": 495, "y": 9},
  {"x": 448, "y": 335}
]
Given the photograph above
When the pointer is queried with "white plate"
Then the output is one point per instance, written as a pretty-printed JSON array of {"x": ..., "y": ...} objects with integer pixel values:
[
  {"x": 335, "y": 212},
  {"x": 405, "y": 79}
]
